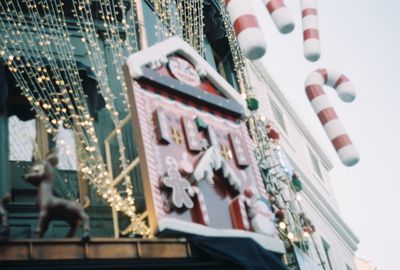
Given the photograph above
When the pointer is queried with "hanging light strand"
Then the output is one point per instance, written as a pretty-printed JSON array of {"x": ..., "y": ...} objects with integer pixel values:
[
  {"x": 112, "y": 36},
  {"x": 57, "y": 97}
]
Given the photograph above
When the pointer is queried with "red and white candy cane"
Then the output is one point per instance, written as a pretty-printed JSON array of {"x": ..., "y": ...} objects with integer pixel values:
[
  {"x": 248, "y": 32},
  {"x": 319, "y": 100},
  {"x": 200, "y": 208},
  {"x": 238, "y": 212},
  {"x": 280, "y": 15},
  {"x": 312, "y": 46}
]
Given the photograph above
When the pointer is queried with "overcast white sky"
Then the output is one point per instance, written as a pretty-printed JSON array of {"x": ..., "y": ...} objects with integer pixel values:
[{"x": 360, "y": 38}]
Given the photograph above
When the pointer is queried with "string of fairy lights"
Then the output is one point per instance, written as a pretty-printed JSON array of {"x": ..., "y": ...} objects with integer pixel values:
[
  {"x": 191, "y": 19},
  {"x": 182, "y": 18},
  {"x": 291, "y": 228},
  {"x": 237, "y": 56},
  {"x": 112, "y": 36},
  {"x": 50, "y": 80}
]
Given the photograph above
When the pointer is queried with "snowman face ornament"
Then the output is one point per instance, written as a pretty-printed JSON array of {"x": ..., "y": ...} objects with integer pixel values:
[
  {"x": 184, "y": 71},
  {"x": 262, "y": 218}
]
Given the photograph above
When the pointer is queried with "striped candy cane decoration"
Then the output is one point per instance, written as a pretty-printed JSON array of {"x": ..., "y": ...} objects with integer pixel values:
[
  {"x": 312, "y": 46},
  {"x": 247, "y": 29},
  {"x": 280, "y": 15},
  {"x": 238, "y": 213},
  {"x": 319, "y": 100},
  {"x": 200, "y": 207}
]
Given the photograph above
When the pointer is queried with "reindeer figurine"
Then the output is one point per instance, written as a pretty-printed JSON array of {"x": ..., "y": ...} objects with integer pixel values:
[
  {"x": 5, "y": 227},
  {"x": 41, "y": 175}
]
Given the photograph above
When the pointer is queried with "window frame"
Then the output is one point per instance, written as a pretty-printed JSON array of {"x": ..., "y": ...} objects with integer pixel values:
[
  {"x": 278, "y": 115},
  {"x": 326, "y": 247},
  {"x": 315, "y": 164}
]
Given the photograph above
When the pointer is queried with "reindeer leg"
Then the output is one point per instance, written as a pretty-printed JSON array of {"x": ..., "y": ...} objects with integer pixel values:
[
  {"x": 86, "y": 226},
  {"x": 42, "y": 225},
  {"x": 5, "y": 230},
  {"x": 72, "y": 230}
]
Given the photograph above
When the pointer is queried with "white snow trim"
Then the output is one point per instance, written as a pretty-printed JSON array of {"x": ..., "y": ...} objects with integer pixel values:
[
  {"x": 212, "y": 161},
  {"x": 160, "y": 51},
  {"x": 190, "y": 110},
  {"x": 269, "y": 243}
]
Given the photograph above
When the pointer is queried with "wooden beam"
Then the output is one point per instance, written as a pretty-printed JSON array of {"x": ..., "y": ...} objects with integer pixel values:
[
  {"x": 125, "y": 172},
  {"x": 97, "y": 248}
]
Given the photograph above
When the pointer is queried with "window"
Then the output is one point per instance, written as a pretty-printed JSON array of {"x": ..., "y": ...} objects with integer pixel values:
[
  {"x": 218, "y": 55},
  {"x": 65, "y": 144},
  {"x": 327, "y": 248},
  {"x": 21, "y": 138},
  {"x": 278, "y": 115},
  {"x": 217, "y": 47},
  {"x": 315, "y": 164}
]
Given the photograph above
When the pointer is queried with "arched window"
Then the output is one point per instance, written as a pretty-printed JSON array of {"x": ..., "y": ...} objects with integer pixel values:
[{"x": 21, "y": 139}]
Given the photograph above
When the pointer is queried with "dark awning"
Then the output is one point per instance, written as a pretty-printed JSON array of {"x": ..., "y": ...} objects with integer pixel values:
[
  {"x": 214, "y": 27},
  {"x": 242, "y": 252}
]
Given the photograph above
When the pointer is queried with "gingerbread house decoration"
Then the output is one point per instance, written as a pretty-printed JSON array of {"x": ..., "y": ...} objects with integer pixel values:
[{"x": 196, "y": 157}]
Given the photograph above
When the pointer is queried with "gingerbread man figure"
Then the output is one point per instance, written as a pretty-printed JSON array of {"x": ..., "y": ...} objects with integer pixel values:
[{"x": 180, "y": 187}]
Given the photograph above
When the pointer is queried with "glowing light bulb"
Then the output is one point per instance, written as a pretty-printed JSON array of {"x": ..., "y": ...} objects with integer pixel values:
[{"x": 282, "y": 225}]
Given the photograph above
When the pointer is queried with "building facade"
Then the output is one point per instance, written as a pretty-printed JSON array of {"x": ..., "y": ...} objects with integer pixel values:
[
  {"x": 333, "y": 244},
  {"x": 62, "y": 86}
]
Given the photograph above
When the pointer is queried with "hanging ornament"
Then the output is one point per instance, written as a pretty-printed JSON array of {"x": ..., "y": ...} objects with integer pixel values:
[
  {"x": 296, "y": 183},
  {"x": 307, "y": 225},
  {"x": 280, "y": 215},
  {"x": 247, "y": 29},
  {"x": 320, "y": 102},
  {"x": 309, "y": 229},
  {"x": 272, "y": 134},
  {"x": 252, "y": 104},
  {"x": 280, "y": 15},
  {"x": 312, "y": 46}
]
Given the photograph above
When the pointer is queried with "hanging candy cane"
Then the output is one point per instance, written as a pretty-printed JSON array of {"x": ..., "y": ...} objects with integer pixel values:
[
  {"x": 247, "y": 29},
  {"x": 280, "y": 15},
  {"x": 344, "y": 147},
  {"x": 312, "y": 46}
]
